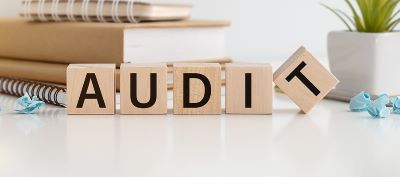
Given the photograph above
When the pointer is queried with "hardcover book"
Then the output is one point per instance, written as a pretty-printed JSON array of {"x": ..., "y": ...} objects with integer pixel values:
[{"x": 66, "y": 42}]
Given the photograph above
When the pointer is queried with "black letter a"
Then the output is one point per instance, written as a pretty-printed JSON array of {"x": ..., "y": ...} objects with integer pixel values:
[
  {"x": 186, "y": 90},
  {"x": 97, "y": 92},
  {"x": 153, "y": 91}
]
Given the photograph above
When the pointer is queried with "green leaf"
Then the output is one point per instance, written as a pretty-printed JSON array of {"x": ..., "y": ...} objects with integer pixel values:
[
  {"x": 346, "y": 16},
  {"x": 338, "y": 15},
  {"x": 393, "y": 24},
  {"x": 370, "y": 15},
  {"x": 359, "y": 23},
  {"x": 394, "y": 15}
]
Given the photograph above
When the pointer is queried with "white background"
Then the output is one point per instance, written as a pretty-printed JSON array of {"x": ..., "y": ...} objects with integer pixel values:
[
  {"x": 330, "y": 141},
  {"x": 261, "y": 29}
]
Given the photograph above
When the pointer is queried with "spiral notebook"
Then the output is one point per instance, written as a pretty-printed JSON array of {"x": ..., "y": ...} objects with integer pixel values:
[
  {"x": 102, "y": 11},
  {"x": 49, "y": 93}
]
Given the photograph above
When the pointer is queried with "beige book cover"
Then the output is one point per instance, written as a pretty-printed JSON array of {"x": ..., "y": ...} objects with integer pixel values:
[
  {"x": 67, "y": 42},
  {"x": 56, "y": 72}
]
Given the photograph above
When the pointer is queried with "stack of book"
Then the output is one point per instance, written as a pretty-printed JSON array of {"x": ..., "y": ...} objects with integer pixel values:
[{"x": 35, "y": 50}]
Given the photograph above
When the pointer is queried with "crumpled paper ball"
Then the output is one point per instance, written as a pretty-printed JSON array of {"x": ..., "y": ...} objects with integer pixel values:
[
  {"x": 30, "y": 106},
  {"x": 396, "y": 105},
  {"x": 377, "y": 108},
  {"x": 360, "y": 102}
]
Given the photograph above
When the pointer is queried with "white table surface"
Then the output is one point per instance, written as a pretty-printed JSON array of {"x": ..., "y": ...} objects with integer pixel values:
[{"x": 330, "y": 141}]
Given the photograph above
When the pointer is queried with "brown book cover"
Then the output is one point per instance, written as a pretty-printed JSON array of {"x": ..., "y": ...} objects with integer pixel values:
[
  {"x": 56, "y": 72},
  {"x": 82, "y": 42}
]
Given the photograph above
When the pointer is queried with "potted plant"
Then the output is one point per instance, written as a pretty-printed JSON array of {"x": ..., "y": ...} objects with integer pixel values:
[{"x": 366, "y": 56}]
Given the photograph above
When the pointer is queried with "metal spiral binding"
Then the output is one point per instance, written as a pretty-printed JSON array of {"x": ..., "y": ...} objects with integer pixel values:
[
  {"x": 84, "y": 10},
  {"x": 45, "y": 92}
]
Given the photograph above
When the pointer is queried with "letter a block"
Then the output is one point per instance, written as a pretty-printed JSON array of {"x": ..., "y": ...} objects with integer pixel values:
[
  {"x": 91, "y": 89},
  {"x": 143, "y": 89},
  {"x": 248, "y": 89},
  {"x": 197, "y": 88},
  {"x": 304, "y": 79}
]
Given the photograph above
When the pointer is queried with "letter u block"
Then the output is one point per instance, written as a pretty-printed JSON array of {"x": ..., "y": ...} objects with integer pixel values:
[
  {"x": 91, "y": 89},
  {"x": 197, "y": 88},
  {"x": 304, "y": 79},
  {"x": 143, "y": 89}
]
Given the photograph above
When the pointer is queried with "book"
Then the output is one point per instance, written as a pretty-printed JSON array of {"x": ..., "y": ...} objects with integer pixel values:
[
  {"x": 56, "y": 72},
  {"x": 102, "y": 11},
  {"x": 49, "y": 93},
  {"x": 32, "y": 70},
  {"x": 66, "y": 42}
]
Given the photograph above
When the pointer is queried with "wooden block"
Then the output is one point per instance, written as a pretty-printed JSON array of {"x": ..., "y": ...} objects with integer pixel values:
[
  {"x": 248, "y": 89},
  {"x": 91, "y": 89},
  {"x": 143, "y": 89},
  {"x": 197, "y": 88},
  {"x": 304, "y": 79}
]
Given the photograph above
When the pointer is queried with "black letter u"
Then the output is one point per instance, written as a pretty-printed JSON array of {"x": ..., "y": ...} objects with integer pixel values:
[{"x": 153, "y": 91}]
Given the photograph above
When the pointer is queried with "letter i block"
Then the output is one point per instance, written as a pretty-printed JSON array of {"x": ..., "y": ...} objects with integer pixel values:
[
  {"x": 91, "y": 89},
  {"x": 248, "y": 89},
  {"x": 197, "y": 88},
  {"x": 304, "y": 79},
  {"x": 143, "y": 89}
]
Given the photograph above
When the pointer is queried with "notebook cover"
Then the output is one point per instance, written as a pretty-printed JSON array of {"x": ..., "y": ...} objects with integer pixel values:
[
  {"x": 84, "y": 10},
  {"x": 56, "y": 72}
]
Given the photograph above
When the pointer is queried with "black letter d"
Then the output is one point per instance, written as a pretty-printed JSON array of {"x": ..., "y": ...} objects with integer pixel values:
[{"x": 186, "y": 90}]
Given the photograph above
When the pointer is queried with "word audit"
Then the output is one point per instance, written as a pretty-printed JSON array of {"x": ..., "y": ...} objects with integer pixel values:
[{"x": 196, "y": 87}]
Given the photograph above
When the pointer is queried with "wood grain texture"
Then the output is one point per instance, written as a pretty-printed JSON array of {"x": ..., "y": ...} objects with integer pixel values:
[
  {"x": 261, "y": 89},
  {"x": 322, "y": 80},
  {"x": 143, "y": 72},
  {"x": 210, "y": 70},
  {"x": 105, "y": 75}
]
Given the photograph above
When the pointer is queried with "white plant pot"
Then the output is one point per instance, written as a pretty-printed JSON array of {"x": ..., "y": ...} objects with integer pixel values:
[{"x": 365, "y": 61}]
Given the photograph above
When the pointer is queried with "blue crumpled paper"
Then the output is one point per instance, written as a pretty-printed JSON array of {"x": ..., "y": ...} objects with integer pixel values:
[
  {"x": 30, "y": 106},
  {"x": 396, "y": 105},
  {"x": 360, "y": 102},
  {"x": 378, "y": 109}
]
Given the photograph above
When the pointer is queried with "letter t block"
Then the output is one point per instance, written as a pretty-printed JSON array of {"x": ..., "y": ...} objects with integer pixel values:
[
  {"x": 304, "y": 79},
  {"x": 91, "y": 89}
]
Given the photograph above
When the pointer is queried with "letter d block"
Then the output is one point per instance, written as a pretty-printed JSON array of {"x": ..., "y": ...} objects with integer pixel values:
[
  {"x": 248, "y": 88},
  {"x": 304, "y": 79},
  {"x": 91, "y": 89},
  {"x": 143, "y": 89},
  {"x": 197, "y": 88}
]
